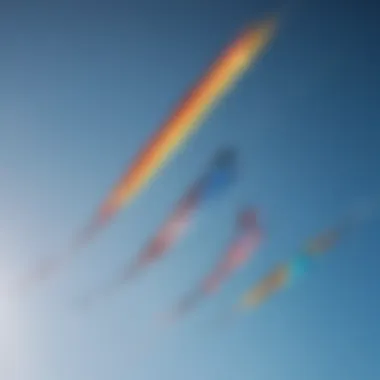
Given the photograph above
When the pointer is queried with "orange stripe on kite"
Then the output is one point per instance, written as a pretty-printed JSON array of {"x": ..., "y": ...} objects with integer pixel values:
[{"x": 189, "y": 113}]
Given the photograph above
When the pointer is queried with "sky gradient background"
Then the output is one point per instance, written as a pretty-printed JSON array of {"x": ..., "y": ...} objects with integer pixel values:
[{"x": 81, "y": 89}]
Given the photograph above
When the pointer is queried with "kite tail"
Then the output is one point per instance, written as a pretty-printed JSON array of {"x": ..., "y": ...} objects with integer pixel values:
[
  {"x": 226, "y": 318},
  {"x": 107, "y": 291},
  {"x": 85, "y": 236},
  {"x": 182, "y": 308},
  {"x": 101, "y": 294},
  {"x": 38, "y": 274},
  {"x": 49, "y": 266},
  {"x": 133, "y": 270},
  {"x": 44, "y": 270}
]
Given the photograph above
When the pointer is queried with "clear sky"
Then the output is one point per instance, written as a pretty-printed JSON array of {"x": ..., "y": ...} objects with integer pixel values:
[{"x": 82, "y": 86}]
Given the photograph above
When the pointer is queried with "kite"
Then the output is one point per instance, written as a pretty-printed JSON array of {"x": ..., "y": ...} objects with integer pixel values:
[
  {"x": 185, "y": 119},
  {"x": 284, "y": 275},
  {"x": 325, "y": 241},
  {"x": 181, "y": 123},
  {"x": 248, "y": 238},
  {"x": 289, "y": 273},
  {"x": 359, "y": 214},
  {"x": 220, "y": 175}
]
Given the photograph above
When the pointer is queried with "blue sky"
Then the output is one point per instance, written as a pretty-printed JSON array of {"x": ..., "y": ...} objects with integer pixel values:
[{"x": 83, "y": 87}]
